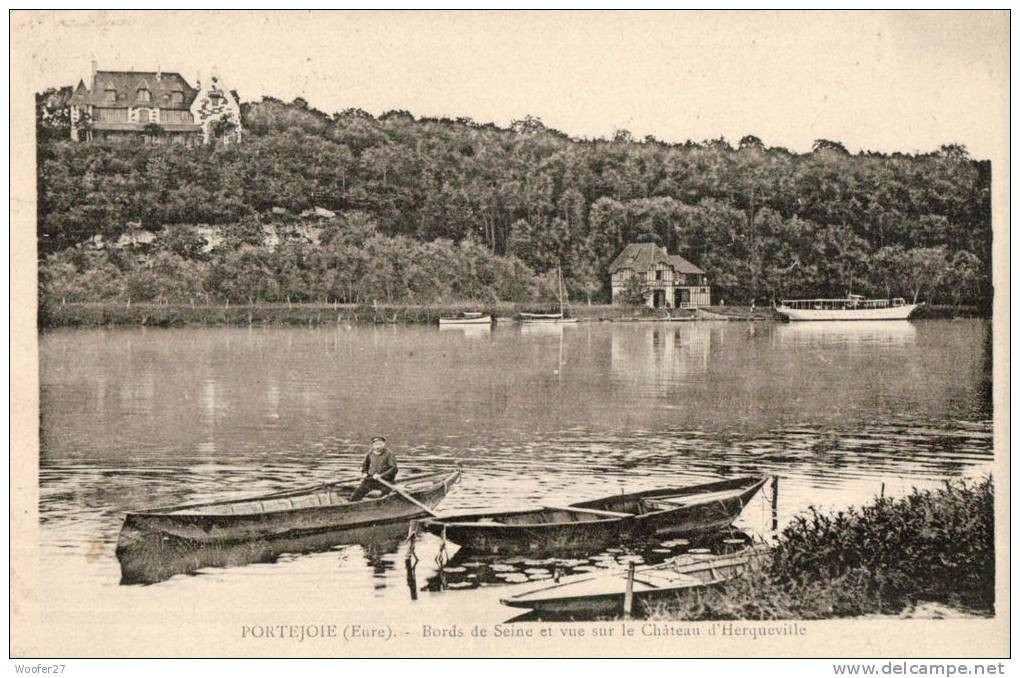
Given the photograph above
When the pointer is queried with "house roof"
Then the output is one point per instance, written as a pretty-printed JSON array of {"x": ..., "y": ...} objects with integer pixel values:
[
  {"x": 127, "y": 85},
  {"x": 639, "y": 257},
  {"x": 644, "y": 256},
  {"x": 681, "y": 265}
]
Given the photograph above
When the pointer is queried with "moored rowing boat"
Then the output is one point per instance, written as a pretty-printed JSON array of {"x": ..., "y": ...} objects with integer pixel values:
[
  {"x": 601, "y": 594},
  {"x": 595, "y": 524},
  {"x": 683, "y": 510},
  {"x": 546, "y": 530}
]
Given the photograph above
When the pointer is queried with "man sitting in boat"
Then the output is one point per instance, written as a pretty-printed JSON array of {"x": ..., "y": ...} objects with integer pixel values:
[{"x": 380, "y": 464}]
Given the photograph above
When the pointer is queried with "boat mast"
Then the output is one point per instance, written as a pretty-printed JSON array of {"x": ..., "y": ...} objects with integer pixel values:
[{"x": 559, "y": 286}]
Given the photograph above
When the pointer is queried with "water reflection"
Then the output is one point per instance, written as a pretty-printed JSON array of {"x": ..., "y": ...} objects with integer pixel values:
[
  {"x": 467, "y": 570},
  {"x": 545, "y": 329},
  {"x": 469, "y": 331},
  {"x": 847, "y": 333},
  {"x": 136, "y": 418},
  {"x": 661, "y": 353},
  {"x": 149, "y": 557}
]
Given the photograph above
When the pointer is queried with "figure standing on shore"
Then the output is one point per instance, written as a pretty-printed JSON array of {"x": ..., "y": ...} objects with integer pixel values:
[{"x": 380, "y": 464}]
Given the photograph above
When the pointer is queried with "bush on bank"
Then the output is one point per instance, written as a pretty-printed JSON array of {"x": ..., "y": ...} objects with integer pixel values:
[{"x": 931, "y": 546}]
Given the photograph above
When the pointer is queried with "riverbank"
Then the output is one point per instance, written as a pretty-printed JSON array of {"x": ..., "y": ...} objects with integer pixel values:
[
  {"x": 177, "y": 315},
  {"x": 99, "y": 314},
  {"x": 932, "y": 550}
]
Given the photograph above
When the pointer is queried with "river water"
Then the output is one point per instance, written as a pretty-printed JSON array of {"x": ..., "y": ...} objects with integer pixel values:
[{"x": 132, "y": 418}]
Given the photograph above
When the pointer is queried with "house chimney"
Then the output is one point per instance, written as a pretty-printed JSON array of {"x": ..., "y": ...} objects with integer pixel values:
[
  {"x": 95, "y": 67},
  {"x": 159, "y": 73},
  {"x": 198, "y": 79},
  {"x": 214, "y": 75}
]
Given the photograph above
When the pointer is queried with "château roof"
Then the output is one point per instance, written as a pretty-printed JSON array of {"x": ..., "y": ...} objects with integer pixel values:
[
  {"x": 644, "y": 256},
  {"x": 127, "y": 85}
]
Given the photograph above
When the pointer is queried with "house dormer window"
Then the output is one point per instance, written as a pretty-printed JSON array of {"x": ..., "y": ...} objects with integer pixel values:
[
  {"x": 111, "y": 95},
  {"x": 144, "y": 95},
  {"x": 177, "y": 97}
]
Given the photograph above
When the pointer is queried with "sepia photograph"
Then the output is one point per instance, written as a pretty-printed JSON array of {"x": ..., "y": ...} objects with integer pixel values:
[{"x": 495, "y": 333}]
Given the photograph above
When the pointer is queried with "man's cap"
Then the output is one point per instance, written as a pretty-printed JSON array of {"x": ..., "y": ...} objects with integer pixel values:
[{"x": 375, "y": 438}]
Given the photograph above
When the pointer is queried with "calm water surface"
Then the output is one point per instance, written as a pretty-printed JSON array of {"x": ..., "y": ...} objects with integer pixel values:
[{"x": 133, "y": 418}]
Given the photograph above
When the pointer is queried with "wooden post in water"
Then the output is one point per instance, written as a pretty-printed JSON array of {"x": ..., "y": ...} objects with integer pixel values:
[
  {"x": 881, "y": 493},
  {"x": 628, "y": 594},
  {"x": 775, "y": 506}
]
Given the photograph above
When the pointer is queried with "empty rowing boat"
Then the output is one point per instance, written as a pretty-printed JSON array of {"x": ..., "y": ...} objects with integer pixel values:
[
  {"x": 685, "y": 510},
  {"x": 302, "y": 511},
  {"x": 548, "y": 529},
  {"x": 600, "y": 594},
  {"x": 592, "y": 525}
]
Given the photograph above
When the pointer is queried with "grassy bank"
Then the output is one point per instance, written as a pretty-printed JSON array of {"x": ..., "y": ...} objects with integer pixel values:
[
  {"x": 883, "y": 558},
  {"x": 178, "y": 315}
]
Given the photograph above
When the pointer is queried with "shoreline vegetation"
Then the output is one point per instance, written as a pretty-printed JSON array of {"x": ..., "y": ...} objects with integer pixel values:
[
  {"x": 931, "y": 553},
  {"x": 101, "y": 314},
  {"x": 398, "y": 209}
]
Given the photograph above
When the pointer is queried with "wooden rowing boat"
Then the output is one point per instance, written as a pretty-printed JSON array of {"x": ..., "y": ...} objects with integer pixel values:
[
  {"x": 682, "y": 511},
  {"x": 302, "y": 511},
  {"x": 592, "y": 525},
  {"x": 546, "y": 530},
  {"x": 602, "y": 594}
]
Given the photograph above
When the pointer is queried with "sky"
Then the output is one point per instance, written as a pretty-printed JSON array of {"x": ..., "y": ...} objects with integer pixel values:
[{"x": 896, "y": 81}]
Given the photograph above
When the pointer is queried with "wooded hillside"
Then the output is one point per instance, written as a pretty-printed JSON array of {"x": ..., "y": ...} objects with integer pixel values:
[{"x": 430, "y": 209}]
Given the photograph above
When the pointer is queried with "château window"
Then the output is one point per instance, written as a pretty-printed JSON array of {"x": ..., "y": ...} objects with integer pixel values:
[{"x": 144, "y": 95}]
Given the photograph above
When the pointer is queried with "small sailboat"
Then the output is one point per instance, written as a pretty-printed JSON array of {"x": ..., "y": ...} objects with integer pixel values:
[{"x": 556, "y": 318}]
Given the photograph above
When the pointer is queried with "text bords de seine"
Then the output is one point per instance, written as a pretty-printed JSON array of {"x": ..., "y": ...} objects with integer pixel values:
[{"x": 352, "y": 632}]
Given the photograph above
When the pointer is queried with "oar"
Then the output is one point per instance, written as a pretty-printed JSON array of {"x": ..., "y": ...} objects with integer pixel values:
[
  {"x": 311, "y": 488},
  {"x": 405, "y": 495}
]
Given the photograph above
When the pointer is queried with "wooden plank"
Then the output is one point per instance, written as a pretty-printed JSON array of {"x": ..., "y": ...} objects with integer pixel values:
[
  {"x": 574, "y": 509},
  {"x": 699, "y": 498}
]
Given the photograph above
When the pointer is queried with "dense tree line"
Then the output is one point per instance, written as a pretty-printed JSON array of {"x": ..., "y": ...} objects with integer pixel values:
[{"x": 459, "y": 208}]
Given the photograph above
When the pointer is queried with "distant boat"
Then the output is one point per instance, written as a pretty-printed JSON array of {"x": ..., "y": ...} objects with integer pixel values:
[
  {"x": 551, "y": 317},
  {"x": 853, "y": 307},
  {"x": 467, "y": 319},
  {"x": 602, "y": 594},
  {"x": 546, "y": 318}
]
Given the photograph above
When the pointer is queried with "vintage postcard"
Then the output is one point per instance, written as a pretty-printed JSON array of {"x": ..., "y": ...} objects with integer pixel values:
[{"x": 432, "y": 334}]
